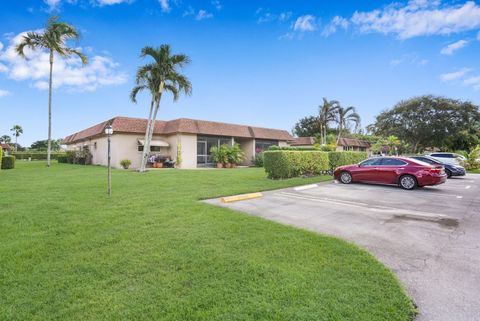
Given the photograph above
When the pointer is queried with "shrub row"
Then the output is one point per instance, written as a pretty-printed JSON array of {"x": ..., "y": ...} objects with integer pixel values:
[
  {"x": 323, "y": 148},
  {"x": 292, "y": 163},
  {"x": 8, "y": 162},
  {"x": 345, "y": 158},
  {"x": 36, "y": 155},
  {"x": 286, "y": 164}
]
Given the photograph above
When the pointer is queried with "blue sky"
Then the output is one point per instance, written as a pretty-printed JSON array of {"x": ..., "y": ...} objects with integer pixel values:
[{"x": 264, "y": 63}]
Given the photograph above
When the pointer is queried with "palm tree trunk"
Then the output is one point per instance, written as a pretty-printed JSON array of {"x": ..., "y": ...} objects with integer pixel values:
[
  {"x": 49, "y": 146},
  {"x": 339, "y": 130},
  {"x": 16, "y": 139},
  {"x": 147, "y": 134}
]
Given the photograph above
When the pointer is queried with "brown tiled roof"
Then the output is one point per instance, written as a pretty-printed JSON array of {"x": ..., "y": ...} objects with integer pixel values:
[
  {"x": 6, "y": 146},
  {"x": 353, "y": 142},
  {"x": 303, "y": 141},
  {"x": 181, "y": 125}
]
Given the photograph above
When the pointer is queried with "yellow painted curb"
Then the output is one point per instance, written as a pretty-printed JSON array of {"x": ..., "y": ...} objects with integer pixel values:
[{"x": 241, "y": 197}]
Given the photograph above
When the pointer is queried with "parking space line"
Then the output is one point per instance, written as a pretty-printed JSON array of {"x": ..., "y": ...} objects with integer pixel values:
[
  {"x": 378, "y": 209},
  {"x": 305, "y": 187}
]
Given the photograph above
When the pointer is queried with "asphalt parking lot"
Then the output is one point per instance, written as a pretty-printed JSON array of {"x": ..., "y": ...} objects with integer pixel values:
[{"x": 429, "y": 237}]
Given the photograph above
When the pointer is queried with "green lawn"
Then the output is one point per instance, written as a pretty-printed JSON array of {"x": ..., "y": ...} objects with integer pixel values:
[
  {"x": 475, "y": 171},
  {"x": 153, "y": 252}
]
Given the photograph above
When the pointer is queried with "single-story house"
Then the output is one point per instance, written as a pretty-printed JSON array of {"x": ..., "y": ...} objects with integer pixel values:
[
  {"x": 343, "y": 144},
  {"x": 189, "y": 138},
  {"x": 6, "y": 148}
]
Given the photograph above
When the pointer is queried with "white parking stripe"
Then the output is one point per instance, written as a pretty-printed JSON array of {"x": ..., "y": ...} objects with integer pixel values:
[
  {"x": 377, "y": 209},
  {"x": 467, "y": 187},
  {"x": 304, "y": 187}
]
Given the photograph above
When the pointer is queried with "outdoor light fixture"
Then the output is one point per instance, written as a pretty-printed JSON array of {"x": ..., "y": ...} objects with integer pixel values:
[{"x": 109, "y": 132}]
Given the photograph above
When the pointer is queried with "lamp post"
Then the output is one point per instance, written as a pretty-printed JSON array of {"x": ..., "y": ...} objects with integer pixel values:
[{"x": 109, "y": 132}]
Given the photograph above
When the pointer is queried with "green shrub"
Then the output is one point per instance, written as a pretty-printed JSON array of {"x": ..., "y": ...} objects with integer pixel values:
[
  {"x": 345, "y": 158},
  {"x": 8, "y": 162},
  {"x": 292, "y": 163},
  {"x": 301, "y": 148},
  {"x": 257, "y": 160},
  {"x": 62, "y": 159},
  {"x": 1, "y": 153},
  {"x": 36, "y": 155},
  {"x": 125, "y": 163}
]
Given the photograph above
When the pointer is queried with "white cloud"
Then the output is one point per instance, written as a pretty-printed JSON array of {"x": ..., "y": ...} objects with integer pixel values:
[
  {"x": 4, "y": 93},
  {"x": 265, "y": 16},
  {"x": 337, "y": 22},
  {"x": 165, "y": 5},
  {"x": 451, "y": 76},
  {"x": 101, "y": 70},
  {"x": 411, "y": 59},
  {"x": 111, "y": 2},
  {"x": 419, "y": 18},
  {"x": 1, "y": 46},
  {"x": 305, "y": 23},
  {"x": 52, "y": 4},
  {"x": 451, "y": 48},
  {"x": 216, "y": 4},
  {"x": 478, "y": 36},
  {"x": 202, "y": 14}
]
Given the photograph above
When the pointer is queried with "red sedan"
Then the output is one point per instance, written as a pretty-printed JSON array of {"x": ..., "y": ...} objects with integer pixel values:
[{"x": 406, "y": 172}]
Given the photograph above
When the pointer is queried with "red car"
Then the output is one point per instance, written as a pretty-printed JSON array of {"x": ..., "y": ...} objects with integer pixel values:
[{"x": 406, "y": 172}]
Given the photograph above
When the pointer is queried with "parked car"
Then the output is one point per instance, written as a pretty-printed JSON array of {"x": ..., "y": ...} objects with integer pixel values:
[
  {"x": 450, "y": 170},
  {"x": 448, "y": 158},
  {"x": 406, "y": 172}
]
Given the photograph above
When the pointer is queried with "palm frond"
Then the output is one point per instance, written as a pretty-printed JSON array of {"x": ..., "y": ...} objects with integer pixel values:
[{"x": 135, "y": 91}]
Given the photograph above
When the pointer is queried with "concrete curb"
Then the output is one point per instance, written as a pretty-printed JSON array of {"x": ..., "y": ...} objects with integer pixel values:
[{"x": 241, "y": 197}]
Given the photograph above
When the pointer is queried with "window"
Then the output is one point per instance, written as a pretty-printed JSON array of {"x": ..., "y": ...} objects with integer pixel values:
[
  {"x": 95, "y": 145},
  {"x": 392, "y": 162},
  {"x": 443, "y": 155},
  {"x": 371, "y": 162},
  {"x": 263, "y": 145},
  {"x": 152, "y": 148},
  {"x": 205, "y": 144},
  {"x": 426, "y": 160}
]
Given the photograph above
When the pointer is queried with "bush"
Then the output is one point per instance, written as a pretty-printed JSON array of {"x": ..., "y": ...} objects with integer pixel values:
[
  {"x": 257, "y": 160},
  {"x": 36, "y": 155},
  {"x": 345, "y": 158},
  {"x": 1, "y": 153},
  {"x": 125, "y": 163},
  {"x": 8, "y": 162},
  {"x": 62, "y": 159},
  {"x": 292, "y": 163},
  {"x": 274, "y": 147}
]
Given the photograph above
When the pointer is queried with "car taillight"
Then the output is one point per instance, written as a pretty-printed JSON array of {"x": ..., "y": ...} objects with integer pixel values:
[{"x": 436, "y": 170}]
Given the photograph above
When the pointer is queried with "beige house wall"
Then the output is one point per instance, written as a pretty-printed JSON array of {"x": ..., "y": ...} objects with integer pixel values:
[
  {"x": 283, "y": 144},
  {"x": 248, "y": 147},
  {"x": 188, "y": 143}
]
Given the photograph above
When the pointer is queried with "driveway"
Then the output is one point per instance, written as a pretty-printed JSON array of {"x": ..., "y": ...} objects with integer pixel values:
[{"x": 430, "y": 237}]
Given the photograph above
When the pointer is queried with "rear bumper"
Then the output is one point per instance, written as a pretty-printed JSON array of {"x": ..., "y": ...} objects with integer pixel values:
[
  {"x": 459, "y": 173},
  {"x": 430, "y": 180}
]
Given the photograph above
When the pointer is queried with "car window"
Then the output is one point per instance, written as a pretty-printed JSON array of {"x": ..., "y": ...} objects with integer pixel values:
[
  {"x": 392, "y": 162},
  {"x": 426, "y": 160},
  {"x": 371, "y": 162},
  {"x": 443, "y": 155}
]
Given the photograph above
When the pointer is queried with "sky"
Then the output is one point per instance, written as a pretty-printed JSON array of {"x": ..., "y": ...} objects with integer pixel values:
[{"x": 260, "y": 63}]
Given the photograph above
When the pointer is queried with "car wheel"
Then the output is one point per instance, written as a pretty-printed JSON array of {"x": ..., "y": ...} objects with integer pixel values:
[
  {"x": 449, "y": 173},
  {"x": 408, "y": 182},
  {"x": 346, "y": 178}
]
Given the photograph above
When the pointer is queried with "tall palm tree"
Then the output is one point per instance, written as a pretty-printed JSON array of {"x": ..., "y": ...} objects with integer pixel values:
[
  {"x": 17, "y": 131},
  {"x": 53, "y": 39},
  {"x": 327, "y": 114},
  {"x": 162, "y": 75},
  {"x": 5, "y": 139},
  {"x": 345, "y": 116}
]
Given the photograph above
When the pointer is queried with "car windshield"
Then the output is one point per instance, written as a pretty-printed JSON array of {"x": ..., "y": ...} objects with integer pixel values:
[
  {"x": 426, "y": 160},
  {"x": 420, "y": 162}
]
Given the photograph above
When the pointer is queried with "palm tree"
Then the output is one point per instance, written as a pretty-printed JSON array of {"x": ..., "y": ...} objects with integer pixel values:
[
  {"x": 5, "y": 139},
  {"x": 17, "y": 131},
  {"x": 162, "y": 75},
  {"x": 327, "y": 114},
  {"x": 53, "y": 39},
  {"x": 393, "y": 142},
  {"x": 345, "y": 116}
]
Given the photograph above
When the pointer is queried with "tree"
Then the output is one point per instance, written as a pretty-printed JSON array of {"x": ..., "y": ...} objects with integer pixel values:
[
  {"x": 53, "y": 39},
  {"x": 307, "y": 127},
  {"x": 17, "y": 131},
  {"x": 346, "y": 116},
  {"x": 327, "y": 114},
  {"x": 430, "y": 122},
  {"x": 5, "y": 139},
  {"x": 158, "y": 77},
  {"x": 42, "y": 145},
  {"x": 392, "y": 142}
]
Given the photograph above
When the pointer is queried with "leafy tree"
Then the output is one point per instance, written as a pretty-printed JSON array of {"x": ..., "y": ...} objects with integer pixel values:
[
  {"x": 346, "y": 116},
  {"x": 307, "y": 127},
  {"x": 392, "y": 142},
  {"x": 5, "y": 139},
  {"x": 53, "y": 39},
  {"x": 17, "y": 131},
  {"x": 327, "y": 114},
  {"x": 42, "y": 145},
  {"x": 429, "y": 121},
  {"x": 158, "y": 77}
]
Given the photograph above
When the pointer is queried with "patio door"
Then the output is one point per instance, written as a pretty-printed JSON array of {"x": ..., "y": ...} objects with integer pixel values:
[{"x": 202, "y": 155}]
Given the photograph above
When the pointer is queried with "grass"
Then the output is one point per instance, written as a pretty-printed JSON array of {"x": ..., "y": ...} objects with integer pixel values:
[
  {"x": 153, "y": 252},
  {"x": 474, "y": 171}
]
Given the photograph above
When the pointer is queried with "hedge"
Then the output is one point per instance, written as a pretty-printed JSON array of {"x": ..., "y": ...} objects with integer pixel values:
[
  {"x": 36, "y": 155},
  {"x": 286, "y": 164},
  {"x": 8, "y": 162},
  {"x": 345, "y": 158},
  {"x": 275, "y": 147}
]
